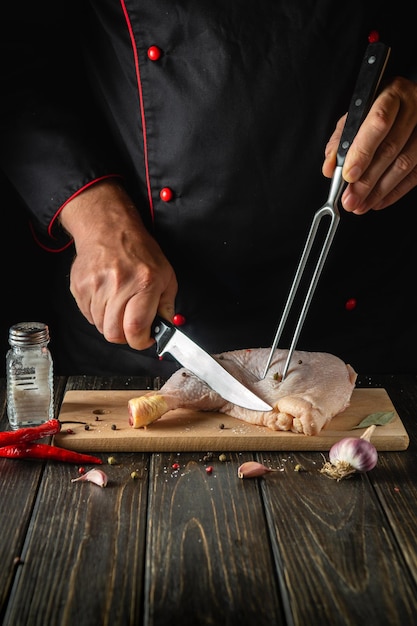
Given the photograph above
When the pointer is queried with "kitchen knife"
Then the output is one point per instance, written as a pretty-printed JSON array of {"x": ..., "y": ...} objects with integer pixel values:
[{"x": 169, "y": 339}]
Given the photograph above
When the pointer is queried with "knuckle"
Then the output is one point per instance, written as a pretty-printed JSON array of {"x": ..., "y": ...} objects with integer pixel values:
[
  {"x": 146, "y": 280},
  {"x": 114, "y": 335},
  {"x": 388, "y": 150},
  {"x": 381, "y": 120},
  {"x": 404, "y": 163}
]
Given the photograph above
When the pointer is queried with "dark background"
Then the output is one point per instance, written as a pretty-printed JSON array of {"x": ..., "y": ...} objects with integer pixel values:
[{"x": 25, "y": 275}]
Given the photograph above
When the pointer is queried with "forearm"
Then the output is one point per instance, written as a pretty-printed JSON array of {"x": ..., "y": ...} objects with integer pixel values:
[{"x": 98, "y": 212}]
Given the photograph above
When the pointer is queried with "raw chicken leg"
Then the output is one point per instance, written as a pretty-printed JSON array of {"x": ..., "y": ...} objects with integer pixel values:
[{"x": 317, "y": 387}]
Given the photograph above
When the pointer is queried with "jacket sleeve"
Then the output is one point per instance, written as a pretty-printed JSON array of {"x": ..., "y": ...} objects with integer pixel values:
[{"x": 52, "y": 144}]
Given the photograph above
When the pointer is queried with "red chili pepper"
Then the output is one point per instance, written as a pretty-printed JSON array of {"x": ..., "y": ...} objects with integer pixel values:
[
  {"x": 45, "y": 451},
  {"x": 21, "y": 435}
]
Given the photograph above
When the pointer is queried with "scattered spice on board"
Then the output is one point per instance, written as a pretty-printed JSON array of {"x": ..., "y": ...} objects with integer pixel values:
[{"x": 298, "y": 468}]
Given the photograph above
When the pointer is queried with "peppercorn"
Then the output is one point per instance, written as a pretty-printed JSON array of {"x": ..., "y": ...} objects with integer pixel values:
[
  {"x": 209, "y": 469},
  {"x": 111, "y": 460},
  {"x": 86, "y": 427},
  {"x": 222, "y": 458},
  {"x": 134, "y": 475},
  {"x": 113, "y": 427}
]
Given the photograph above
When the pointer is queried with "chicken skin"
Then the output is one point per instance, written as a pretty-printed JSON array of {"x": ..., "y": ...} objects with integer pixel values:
[{"x": 317, "y": 387}]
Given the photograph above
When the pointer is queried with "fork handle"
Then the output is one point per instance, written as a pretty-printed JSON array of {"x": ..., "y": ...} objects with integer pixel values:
[{"x": 367, "y": 83}]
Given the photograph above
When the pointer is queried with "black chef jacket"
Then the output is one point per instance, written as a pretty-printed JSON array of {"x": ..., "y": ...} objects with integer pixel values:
[{"x": 228, "y": 105}]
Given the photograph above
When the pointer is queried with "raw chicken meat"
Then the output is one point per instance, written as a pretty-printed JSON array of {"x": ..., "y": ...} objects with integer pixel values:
[{"x": 317, "y": 387}]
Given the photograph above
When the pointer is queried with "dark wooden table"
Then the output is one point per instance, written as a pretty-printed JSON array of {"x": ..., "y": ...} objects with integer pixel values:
[{"x": 179, "y": 547}]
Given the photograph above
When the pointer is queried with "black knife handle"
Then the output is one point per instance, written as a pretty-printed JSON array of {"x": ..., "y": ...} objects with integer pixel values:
[
  {"x": 162, "y": 331},
  {"x": 367, "y": 83}
]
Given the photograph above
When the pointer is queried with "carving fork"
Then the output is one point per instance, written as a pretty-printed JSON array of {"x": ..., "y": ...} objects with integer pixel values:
[{"x": 367, "y": 83}]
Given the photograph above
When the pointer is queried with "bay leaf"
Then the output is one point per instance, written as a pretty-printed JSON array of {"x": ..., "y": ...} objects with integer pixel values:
[{"x": 379, "y": 419}]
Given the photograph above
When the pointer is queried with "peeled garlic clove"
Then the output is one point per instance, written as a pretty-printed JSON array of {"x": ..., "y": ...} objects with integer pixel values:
[
  {"x": 251, "y": 469},
  {"x": 96, "y": 476}
]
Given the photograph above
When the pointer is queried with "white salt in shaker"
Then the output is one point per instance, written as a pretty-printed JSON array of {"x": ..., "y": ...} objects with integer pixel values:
[{"x": 29, "y": 373}]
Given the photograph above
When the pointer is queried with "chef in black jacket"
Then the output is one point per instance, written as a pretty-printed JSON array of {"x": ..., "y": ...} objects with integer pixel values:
[{"x": 170, "y": 157}]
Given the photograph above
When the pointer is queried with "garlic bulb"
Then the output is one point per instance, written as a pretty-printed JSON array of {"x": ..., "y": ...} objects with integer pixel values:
[{"x": 350, "y": 455}]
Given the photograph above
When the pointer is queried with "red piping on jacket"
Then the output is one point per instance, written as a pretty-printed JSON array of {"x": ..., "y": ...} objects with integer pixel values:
[
  {"x": 142, "y": 109},
  {"x": 42, "y": 245},
  {"x": 55, "y": 217}
]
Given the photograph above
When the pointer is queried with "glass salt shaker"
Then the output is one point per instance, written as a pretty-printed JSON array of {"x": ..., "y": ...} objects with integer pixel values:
[{"x": 29, "y": 373}]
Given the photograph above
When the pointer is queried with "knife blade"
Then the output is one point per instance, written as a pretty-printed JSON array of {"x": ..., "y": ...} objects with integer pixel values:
[{"x": 191, "y": 356}]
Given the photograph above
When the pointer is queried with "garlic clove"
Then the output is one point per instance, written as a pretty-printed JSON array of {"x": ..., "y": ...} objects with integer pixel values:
[
  {"x": 96, "y": 476},
  {"x": 252, "y": 469}
]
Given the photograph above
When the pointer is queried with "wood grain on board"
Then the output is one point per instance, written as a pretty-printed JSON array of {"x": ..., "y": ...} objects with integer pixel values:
[{"x": 100, "y": 423}]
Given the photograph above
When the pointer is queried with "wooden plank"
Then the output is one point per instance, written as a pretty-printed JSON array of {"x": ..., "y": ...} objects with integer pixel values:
[
  {"x": 395, "y": 482},
  {"x": 18, "y": 487},
  {"x": 186, "y": 430},
  {"x": 208, "y": 559},
  {"x": 342, "y": 563},
  {"x": 84, "y": 554}
]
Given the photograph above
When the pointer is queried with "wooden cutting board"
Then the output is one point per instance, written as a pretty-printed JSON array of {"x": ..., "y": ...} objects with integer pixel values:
[{"x": 106, "y": 416}]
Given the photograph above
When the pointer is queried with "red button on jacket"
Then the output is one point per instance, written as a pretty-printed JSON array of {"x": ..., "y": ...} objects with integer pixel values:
[
  {"x": 166, "y": 194},
  {"x": 154, "y": 53}
]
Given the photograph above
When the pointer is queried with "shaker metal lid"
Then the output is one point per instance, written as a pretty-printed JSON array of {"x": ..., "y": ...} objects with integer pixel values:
[{"x": 28, "y": 333}]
